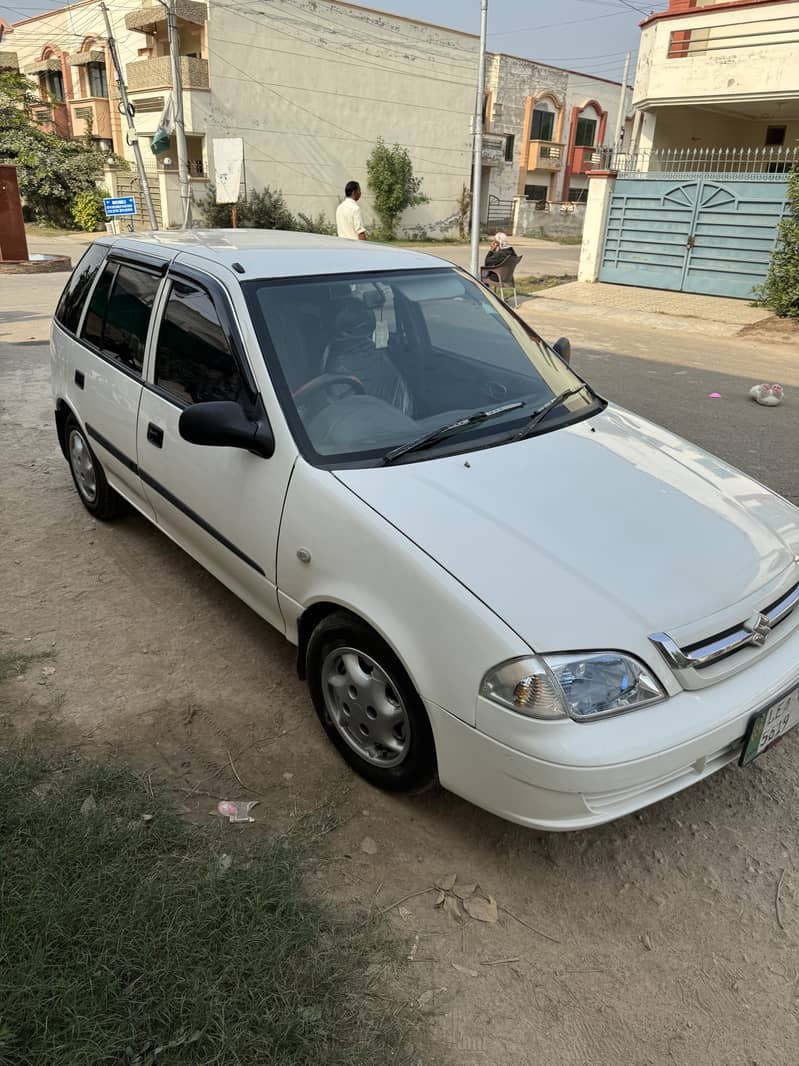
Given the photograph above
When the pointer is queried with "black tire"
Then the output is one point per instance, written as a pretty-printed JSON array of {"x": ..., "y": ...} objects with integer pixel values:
[
  {"x": 416, "y": 767},
  {"x": 96, "y": 495}
]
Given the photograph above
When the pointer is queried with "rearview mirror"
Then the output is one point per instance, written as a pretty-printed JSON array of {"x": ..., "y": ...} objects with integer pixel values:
[
  {"x": 564, "y": 349},
  {"x": 224, "y": 424}
]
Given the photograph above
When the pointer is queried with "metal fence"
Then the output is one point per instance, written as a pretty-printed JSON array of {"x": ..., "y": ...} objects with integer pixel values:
[{"x": 765, "y": 164}]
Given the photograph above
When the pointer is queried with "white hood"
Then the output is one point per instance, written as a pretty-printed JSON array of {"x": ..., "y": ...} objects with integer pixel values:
[{"x": 595, "y": 535}]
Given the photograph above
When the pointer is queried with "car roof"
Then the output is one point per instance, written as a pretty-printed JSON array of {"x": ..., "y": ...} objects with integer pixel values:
[{"x": 275, "y": 253}]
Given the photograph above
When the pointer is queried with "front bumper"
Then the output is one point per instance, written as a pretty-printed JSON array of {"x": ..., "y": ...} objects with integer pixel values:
[{"x": 568, "y": 775}]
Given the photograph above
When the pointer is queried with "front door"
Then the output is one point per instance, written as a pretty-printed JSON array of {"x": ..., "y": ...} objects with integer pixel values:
[{"x": 223, "y": 505}]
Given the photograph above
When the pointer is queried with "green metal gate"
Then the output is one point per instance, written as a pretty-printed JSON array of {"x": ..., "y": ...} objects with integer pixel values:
[{"x": 692, "y": 234}]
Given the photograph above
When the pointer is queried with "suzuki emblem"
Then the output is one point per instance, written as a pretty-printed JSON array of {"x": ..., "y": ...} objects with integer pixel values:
[{"x": 760, "y": 627}]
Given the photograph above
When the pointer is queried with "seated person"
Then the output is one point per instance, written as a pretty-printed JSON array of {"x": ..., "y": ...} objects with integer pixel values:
[
  {"x": 353, "y": 352},
  {"x": 500, "y": 251}
]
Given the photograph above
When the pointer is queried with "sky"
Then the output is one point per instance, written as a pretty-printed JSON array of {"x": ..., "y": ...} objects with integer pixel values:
[{"x": 586, "y": 35}]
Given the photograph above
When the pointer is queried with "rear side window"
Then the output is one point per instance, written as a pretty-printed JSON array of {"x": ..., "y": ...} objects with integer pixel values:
[
  {"x": 193, "y": 360},
  {"x": 74, "y": 295},
  {"x": 119, "y": 313}
]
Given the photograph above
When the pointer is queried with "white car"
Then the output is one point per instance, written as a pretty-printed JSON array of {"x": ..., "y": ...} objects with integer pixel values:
[{"x": 490, "y": 573}]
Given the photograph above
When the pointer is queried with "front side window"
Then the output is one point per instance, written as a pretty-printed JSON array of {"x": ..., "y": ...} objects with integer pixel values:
[
  {"x": 74, "y": 295},
  {"x": 54, "y": 84},
  {"x": 118, "y": 315},
  {"x": 98, "y": 83},
  {"x": 543, "y": 125},
  {"x": 585, "y": 134},
  {"x": 366, "y": 363},
  {"x": 193, "y": 360}
]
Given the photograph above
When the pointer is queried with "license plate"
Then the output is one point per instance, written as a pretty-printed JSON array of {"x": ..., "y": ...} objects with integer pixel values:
[{"x": 769, "y": 725}]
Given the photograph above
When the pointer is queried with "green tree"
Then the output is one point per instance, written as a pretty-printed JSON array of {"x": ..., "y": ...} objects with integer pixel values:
[
  {"x": 394, "y": 188},
  {"x": 780, "y": 291},
  {"x": 52, "y": 172}
]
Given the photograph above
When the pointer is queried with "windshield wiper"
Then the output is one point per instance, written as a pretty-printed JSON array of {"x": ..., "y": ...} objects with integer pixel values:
[
  {"x": 538, "y": 416},
  {"x": 436, "y": 435}
]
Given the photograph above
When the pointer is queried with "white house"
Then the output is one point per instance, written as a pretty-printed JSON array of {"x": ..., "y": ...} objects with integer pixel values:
[
  {"x": 694, "y": 201},
  {"x": 719, "y": 75}
]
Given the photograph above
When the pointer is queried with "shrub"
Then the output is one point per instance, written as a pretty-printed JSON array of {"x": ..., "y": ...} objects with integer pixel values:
[
  {"x": 393, "y": 186},
  {"x": 262, "y": 210},
  {"x": 780, "y": 291},
  {"x": 315, "y": 224},
  {"x": 88, "y": 212},
  {"x": 266, "y": 210}
]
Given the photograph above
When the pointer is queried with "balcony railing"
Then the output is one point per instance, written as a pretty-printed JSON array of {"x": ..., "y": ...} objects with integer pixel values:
[
  {"x": 147, "y": 18},
  {"x": 157, "y": 73},
  {"x": 94, "y": 110},
  {"x": 584, "y": 159},
  {"x": 768, "y": 164},
  {"x": 545, "y": 155}
]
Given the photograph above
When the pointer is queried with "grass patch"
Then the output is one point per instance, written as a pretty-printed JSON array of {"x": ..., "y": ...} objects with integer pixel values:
[
  {"x": 12, "y": 664},
  {"x": 126, "y": 942},
  {"x": 564, "y": 239},
  {"x": 41, "y": 229},
  {"x": 528, "y": 286}
]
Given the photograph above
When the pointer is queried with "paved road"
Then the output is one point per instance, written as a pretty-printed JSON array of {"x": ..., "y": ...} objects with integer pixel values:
[{"x": 538, "y": 257}]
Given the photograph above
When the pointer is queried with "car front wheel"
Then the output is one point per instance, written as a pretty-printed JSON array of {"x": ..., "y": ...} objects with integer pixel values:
[{"x": 368, "y": 706}]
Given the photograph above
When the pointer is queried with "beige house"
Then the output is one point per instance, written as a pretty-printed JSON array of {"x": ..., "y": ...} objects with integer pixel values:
[
  {"x": 543, "y": 126},
  {"x": 65, "y": 53}
]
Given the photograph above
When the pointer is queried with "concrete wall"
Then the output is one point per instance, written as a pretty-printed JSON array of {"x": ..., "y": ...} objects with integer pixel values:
[
  {"x": 761, "y": 67},
  {"x": 311, "y": 84},
  {"x": 554, "y": 222}
]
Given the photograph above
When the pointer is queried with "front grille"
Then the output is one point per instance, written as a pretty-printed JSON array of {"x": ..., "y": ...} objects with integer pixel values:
[{"x": 753, "y": 632}]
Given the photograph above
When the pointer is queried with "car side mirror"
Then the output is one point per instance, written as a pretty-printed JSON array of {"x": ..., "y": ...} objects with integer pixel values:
[
  {"x": 224, "y": 424},
  {"x": 564, "y": 349}
]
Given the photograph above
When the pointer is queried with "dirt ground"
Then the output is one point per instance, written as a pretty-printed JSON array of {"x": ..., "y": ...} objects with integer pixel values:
[{"x": 667, "y": 937}]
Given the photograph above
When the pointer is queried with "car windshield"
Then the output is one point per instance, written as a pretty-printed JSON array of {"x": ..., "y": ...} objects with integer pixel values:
[{"x": 366, "y": 363}]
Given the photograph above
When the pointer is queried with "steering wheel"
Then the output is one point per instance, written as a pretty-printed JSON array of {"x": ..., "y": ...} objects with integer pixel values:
[{"x": 324, "y": 382}]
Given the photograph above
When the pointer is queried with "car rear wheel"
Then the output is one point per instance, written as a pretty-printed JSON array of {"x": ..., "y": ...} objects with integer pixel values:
[
  {"x": 95, "y": 493},
  {"x": 368, "y": 706}
]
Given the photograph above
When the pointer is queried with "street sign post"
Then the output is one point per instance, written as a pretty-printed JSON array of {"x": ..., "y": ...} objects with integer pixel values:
[{"x": 119, "y": 207}]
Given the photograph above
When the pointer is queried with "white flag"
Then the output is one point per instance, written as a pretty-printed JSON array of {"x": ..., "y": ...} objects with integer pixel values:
[
  {"x": 228, "y": 164},
  {"x": 167, "y": 120}
]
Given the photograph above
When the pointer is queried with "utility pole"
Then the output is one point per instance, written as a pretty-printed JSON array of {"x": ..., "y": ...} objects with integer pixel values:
[
  {"x": 180, "y": 127},
  {"x": 477, "y": 161},
  {"x": 128, "y": 112},
  {"x": 622, "y": 104}
]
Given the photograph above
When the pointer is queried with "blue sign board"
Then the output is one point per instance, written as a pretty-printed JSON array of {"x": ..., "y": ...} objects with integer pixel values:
[{"x": 119, "y": 205}]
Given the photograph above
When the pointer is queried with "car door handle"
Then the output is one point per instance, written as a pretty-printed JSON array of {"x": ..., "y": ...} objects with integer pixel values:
[
  {"x": 155, "y": 435},
  {"x": 79, "y": 379}
]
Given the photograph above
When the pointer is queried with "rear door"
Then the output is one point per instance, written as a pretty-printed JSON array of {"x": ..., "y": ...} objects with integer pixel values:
[
  {"x": 223, "y": 505},
  {"x": 109, "y": 366}
]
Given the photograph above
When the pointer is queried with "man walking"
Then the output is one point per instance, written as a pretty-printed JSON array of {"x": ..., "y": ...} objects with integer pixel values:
[{"x": 349, "y": 222}]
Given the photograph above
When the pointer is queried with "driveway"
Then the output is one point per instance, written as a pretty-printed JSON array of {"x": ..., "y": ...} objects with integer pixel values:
[{"x": 667, "y": 937}]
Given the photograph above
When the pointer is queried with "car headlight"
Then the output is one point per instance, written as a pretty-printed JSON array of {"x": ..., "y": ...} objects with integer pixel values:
[{"x": 582, "y": 686}]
